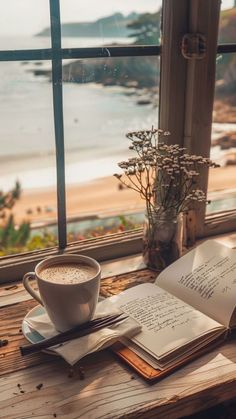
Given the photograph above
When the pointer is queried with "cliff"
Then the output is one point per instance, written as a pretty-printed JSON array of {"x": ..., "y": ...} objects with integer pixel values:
[{"x": 107, "y": 27}]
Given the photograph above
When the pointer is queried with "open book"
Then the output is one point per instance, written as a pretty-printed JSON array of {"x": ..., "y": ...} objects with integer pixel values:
[{"x": 190, "y": 308}]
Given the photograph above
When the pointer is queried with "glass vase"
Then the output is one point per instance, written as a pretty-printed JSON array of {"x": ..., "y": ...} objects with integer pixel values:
[{"x": 162, "y": 240}]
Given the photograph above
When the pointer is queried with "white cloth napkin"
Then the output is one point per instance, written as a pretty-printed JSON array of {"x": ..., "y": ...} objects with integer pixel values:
[{"x": 72, "y": 351}]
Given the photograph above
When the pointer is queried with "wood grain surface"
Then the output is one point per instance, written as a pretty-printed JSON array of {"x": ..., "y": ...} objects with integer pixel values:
[{"x": 101, "y": 386}]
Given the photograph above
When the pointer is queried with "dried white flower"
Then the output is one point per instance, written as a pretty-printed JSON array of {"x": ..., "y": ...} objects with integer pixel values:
[{"x": 164, "y": 175}]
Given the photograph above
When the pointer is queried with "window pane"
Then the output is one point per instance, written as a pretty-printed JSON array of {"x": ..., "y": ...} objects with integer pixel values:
[
  {"x": 227, "y": 33},
  {"x": 27, "y": 155},
  {"x": 87, "y": 23},
  {"x": 21, "y": 22},
  {"x": 222, "y": 189},
  {"x": 103, "y": 100}
]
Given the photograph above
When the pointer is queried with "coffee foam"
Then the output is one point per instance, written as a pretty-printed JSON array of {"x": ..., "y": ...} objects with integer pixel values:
[{"x": 68, "y": 273}]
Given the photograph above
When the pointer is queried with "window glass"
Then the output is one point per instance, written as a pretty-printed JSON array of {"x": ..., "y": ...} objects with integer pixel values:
[
  {"x": 22, "y": 24},
  {"x": 227, "y": 33},
  {"x": 27, "y": 156},
  {"x": 222, "y": 187},
  {"x": 103, "y": 100},
  {"x": 108, "y": 22}
]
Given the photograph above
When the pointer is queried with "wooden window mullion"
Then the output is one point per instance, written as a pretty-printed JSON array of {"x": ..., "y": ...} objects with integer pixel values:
[
  {"x": 187, "y": 85},
  {"x": 58, "y": 120}
]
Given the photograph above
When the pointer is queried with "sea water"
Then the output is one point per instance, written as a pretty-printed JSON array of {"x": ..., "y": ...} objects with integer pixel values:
[{"x": 96, "y": 119}]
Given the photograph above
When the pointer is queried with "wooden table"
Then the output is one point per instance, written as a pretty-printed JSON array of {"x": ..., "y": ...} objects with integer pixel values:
[{"x": 42, "y": 386}]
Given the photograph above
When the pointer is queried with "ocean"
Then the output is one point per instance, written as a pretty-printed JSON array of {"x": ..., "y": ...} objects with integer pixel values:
[{"x": 96, "y": 119}]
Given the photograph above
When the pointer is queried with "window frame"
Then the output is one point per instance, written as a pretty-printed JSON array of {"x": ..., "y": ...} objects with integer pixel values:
[
  {"x": 184, "y": 109},
  {"x": 182, "y": 113},
  {"x": 12, "y": 267}
]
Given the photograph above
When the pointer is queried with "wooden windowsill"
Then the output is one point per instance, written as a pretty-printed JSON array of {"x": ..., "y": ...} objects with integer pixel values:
[
  {"x": 209, "y": 380},
  {"x": 114, "y": 267}
]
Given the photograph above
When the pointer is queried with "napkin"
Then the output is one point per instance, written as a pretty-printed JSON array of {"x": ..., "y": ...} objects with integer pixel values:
[{"x": 72, "y": 351}]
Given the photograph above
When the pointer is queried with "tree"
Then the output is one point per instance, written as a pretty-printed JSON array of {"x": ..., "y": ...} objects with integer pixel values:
[
  {"x": 8, "y": 199},
  {"x": 12, "y": 237},
  {"x": 147, "y": 28}
]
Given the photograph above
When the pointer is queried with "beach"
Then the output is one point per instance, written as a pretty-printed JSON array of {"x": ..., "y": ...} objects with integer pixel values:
[
  {"x": 222, "y": 179},
  {"x": 101, "y": 197},
  {"x": 96, "y": 120}
]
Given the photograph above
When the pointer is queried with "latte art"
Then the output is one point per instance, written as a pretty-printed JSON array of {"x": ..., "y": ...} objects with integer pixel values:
[{"x": 68, "y": 273}]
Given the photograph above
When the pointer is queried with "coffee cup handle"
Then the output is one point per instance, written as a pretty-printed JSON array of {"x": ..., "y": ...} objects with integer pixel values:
[{"x": 31, "y": 291}]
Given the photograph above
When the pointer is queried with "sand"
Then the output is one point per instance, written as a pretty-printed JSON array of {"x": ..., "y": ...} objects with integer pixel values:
[
  {"x": 222, "y": 179},
  {"x": 100, "y": 197}
]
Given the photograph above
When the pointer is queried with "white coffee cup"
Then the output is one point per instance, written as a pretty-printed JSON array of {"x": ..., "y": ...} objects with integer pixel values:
[{"x": 67, "y": 303}]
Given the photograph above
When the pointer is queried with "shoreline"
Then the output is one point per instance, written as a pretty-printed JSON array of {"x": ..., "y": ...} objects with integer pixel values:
[{"x": 100, "y": 198}]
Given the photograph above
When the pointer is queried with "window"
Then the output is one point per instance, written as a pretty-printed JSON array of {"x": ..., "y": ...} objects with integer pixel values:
[
  {"x": 185, "y": 109},
  {"x": 57, "y": 57},
  {"x": 186, "y": 101}
]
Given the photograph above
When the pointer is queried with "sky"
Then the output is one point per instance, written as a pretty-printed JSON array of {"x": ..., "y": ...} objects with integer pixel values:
[{"x": 28, "y": 17}]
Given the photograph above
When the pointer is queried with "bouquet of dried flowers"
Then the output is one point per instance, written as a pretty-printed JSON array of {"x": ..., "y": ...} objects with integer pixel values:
[{"x": 165, "y": 176}]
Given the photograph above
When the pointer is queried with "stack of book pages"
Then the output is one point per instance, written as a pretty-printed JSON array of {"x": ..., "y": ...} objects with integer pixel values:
[{"x": 189, "y": 310}]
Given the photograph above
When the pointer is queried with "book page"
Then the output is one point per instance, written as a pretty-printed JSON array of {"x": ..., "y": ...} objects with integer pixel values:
[
  {"x": 167, "y": 322},
  {"x": 183, "y": 353},
  {"x": 206, "y": 279}
]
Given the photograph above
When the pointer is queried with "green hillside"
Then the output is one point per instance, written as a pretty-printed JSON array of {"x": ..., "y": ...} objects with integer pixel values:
[
  {"x": 115, "y": 25},
  {"x": 144, "y": 72}
]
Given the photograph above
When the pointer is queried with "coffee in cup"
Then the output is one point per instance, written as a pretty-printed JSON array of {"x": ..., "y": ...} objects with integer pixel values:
[
  {"x": 68, "y": 288},
  {"x": 68, "y": 273}
]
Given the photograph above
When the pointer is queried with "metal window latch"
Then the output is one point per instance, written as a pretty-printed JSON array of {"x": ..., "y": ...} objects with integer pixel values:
[{"x": 193, "y": 46}]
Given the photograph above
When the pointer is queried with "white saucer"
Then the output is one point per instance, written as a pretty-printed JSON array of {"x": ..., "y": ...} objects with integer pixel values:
[{"x": 31, "y": 334}]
